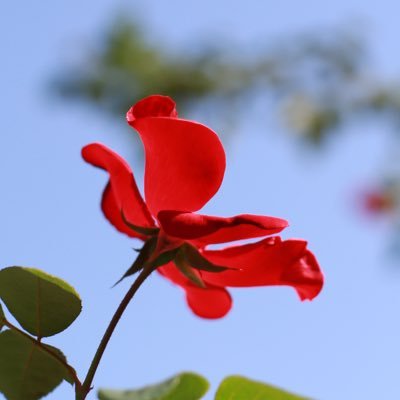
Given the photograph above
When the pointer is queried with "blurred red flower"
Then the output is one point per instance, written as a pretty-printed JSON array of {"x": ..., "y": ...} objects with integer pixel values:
[
  {"x": 379, "y": 201},
  {"x": 184, "y": 168}
]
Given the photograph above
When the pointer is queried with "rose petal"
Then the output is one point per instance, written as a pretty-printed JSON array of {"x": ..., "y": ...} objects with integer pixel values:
[
  {"x": 152, "y": 106},
  {"x": 211, "y": 302},
  {"x": 305, "y": 275},
  {"x": 185, "y": 161},
  {"x": 121, "y": 192},
  {"x": 207, "y": 229},
  {"x": 113, "y": 214},
  {"x": 268, "y": 262}
]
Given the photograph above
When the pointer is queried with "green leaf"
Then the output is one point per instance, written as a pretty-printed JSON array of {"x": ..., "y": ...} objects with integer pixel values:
[
  {"x": 185, "y": 386},
  {"x": 196, "y": 260},
  {"x": 188, "y": 271},
  {"x": 68, "y": 371},
  {"x": 43, "y": 304},
  {"x": 27, "y": 370},
  {"x": 240, "y": 388},
  {"x": 2, "y": 318}
]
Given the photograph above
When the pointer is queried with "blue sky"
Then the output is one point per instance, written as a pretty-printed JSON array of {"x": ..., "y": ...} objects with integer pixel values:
[{"x": 344, "y": 345}]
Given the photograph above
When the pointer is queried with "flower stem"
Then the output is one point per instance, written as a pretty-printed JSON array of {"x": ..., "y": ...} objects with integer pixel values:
[{"x": 83, "y": 391}]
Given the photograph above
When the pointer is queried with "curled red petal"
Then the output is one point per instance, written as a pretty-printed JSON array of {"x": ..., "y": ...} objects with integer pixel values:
[
  {"x": 185, "y": 161},
  {"x": 205, "y": 229},
  {"x": 152, "y": 106},
  {"x": 305, "y": 275},
  {"x": 265, "y": 263},
  {"x": 112, "y": 212},
  {"x": 121, "y": 192},
  {"x": 211, "y": 302}
]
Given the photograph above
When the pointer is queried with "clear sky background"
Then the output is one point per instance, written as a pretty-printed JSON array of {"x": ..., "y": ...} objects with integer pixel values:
[{"x": 344, "y": 345}]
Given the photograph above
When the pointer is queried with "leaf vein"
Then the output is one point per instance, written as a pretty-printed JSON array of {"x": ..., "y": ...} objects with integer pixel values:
[{"x": 25, "y": 370}]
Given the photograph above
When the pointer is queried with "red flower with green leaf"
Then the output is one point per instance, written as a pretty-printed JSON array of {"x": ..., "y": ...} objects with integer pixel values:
[{"x": 185, "y": 165}]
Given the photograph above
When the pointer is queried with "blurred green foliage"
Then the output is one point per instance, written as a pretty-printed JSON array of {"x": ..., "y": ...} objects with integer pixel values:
[
  {"x": 318, "y": 79},
  {"x": 126, "y": 68},
  {"x": 190, "y": 386}
]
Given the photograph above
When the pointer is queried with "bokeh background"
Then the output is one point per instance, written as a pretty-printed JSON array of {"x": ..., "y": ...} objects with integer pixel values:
[{"x": 305, "y": 96}]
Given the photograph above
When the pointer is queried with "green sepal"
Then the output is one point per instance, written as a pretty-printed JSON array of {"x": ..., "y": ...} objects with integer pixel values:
[
  {"x": 139, "y": 229},
  {"x": 185, "y": 386},
  {"x": 164, "y": 258},
  {"x": 240, "y": 388},
  {"x": 198, "y": 261},
  {"x": 144, "y": 254},
  {"x": 144, "y": 257},
  {"x": 27, "y": 370},
  {"x": 2, "y": 318},
  {"x": 44, "y": 305},
  {"x": 187, "y": 270}
]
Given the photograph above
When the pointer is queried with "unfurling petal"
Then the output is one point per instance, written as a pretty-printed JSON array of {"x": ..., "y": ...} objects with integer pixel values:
[
  {"x": 112, "y": 212},
  {"x": 185, "y": 161},
  {"x": 305, "y": 275},
  {"x": 205, "y": 229},
  {"x": 266, "y": 263},
  {"x": 210, "y": 302},
  {"x": 121, "y": 192}
]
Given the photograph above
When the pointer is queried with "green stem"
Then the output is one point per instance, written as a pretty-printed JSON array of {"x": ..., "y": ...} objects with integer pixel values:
[{"x": 83, "y": 391}]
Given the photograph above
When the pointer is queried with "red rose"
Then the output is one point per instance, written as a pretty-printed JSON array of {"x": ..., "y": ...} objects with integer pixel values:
[{"x": 185, "y": 165}]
